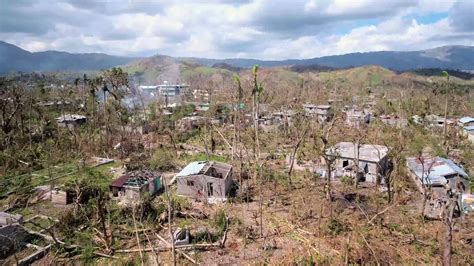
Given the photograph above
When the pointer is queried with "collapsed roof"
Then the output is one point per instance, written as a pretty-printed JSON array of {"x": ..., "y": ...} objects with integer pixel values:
[{"x": 209, "y": 168}]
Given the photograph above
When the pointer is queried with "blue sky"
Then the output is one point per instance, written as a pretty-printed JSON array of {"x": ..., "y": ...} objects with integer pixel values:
[
  {"x": 431, "y": 18},
  {"x": 264, "y": 29}
]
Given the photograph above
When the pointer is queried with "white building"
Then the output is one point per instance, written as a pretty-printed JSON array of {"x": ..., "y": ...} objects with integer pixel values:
[{"x": 165, "y": 89}]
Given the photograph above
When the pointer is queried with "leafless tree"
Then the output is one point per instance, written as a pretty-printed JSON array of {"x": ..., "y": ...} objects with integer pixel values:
[
  {"x": 452, "y": 201},
  {"x": 299, "y": 140},
  {"x": 327, "y": 152}
]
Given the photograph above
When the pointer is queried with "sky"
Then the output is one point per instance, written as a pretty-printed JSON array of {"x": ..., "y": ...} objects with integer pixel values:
[{"x": 261, "y": 29}]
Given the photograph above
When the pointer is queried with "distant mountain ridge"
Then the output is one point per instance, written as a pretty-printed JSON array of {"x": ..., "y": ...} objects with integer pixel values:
[
  {"x": 445, "y": 57},
  {"x": 13, "y": 58}
]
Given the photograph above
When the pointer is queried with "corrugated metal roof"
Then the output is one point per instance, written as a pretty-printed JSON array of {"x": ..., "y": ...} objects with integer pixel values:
[
  {"x": 454, "y": 167},
  {"x": 120, "y": 181},
  {"x": 192, "y": 168},
  {"x": 466, "y": 119},
  {"x": 438, "y": 168}
]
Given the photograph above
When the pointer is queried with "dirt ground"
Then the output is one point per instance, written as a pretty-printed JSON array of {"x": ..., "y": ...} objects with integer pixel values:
[{"x": 300, "y": 226}]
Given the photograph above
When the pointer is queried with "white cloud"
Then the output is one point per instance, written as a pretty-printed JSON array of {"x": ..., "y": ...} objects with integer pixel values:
[
  {"x": 267, "y": 29},
  {"x": 436, "y": 6}
]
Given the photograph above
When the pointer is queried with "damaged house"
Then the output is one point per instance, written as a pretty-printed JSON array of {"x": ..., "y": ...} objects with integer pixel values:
[
  {"x": 466, "y": 121},
  {"x": 321, "y": 112},
  {"x": 394, "y": 120},
  {"x": 284, "y": 117},
  {"x": 62, "y": 197},
  {"x": 467, "y": 127},
  {"x": 373, "y": 161},
  {"x": 9, "y": 219},
  {"x": 136, "y": 184},
  {"x": 356, "y": 116},
  {"x": 437, "y": 121},
  {"x": 205, "y": 180},
  {"x": 468, "y": 132},
  {"x": 436, "y": 173},
  {"x": 190, "y": 123},
  {"x": 71, "y": 121}
]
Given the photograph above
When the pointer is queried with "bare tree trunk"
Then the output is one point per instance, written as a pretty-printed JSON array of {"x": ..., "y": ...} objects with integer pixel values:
[
  {"x": 445, "y": 119},
  {"x": 448, "y": 237},
  {"x": 136, "y": 233},
  {"x": 328, "y": 179},
  {"x": 168, "y": 196},
  {"x": 356, "y": 150},
  {"x": 101, "y": 210},
  {"x": 205, "y": 141},
  {"x": 261, "y": 212},
  {"x": 293, "y": 155}
]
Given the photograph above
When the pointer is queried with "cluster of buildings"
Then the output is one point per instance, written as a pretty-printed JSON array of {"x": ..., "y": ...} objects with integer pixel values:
[
  {"x": 206, "y": 181},
  {"x": 464, "y": 124},
  {"x": 435, "y": 176},
  {"x": 165, "y": 89}
]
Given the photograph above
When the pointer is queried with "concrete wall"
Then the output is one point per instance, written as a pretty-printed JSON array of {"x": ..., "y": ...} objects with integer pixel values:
[
  {"x": 7, "y": 218},
  {"x": 135, "y": 193},
  {"x": 374, "y": 169},
  {"x": 59, "y": 197},
  {"x": 199, "y": 189},
  {"x": 470, "y": 137}
]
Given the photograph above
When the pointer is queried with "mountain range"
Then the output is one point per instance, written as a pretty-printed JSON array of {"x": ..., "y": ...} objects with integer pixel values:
[
  {"x": 13, "y": 59},
  {"x": 446, "y": 57}
]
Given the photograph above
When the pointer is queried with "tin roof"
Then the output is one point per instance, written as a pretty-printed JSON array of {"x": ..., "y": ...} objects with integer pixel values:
[
  {"x": 434, "y": 169},
  {"x": 120, "y": 181},
  {"x": 469, "y": 128},
  {"x": 466, "y": 119},
  {"x": 134, "y": 178},
  {"x": 70, "y": 117},
  {"x": 193, "y": 168}
]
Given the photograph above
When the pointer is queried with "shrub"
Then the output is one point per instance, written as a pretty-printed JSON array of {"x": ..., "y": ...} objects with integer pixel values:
[
  {"x": 220, "y": 221},
  {"x": 162, "y": 160},
  {"x": 204, "y": 237},
  {"x": 335, "y": 227}
]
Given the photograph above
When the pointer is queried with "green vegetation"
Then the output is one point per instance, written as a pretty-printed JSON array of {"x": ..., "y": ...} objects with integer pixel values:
[{"x": 298, "y": 213}]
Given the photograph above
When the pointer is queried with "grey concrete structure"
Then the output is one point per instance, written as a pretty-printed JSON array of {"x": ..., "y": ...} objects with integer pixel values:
[{"x": 205, "y": 181}]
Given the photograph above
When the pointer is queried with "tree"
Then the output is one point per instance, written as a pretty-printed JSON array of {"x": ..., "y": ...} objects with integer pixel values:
[
  {"x": 256, "y": 92},
  {"x": 237, "y": 140},
  {"x": 358, "y": 141},
  {"x": 392, "y": 169},
  {"x": 446, "y": 92},
  {"x": 448, "y": 213},
  {"x": 324, "y": 147},
  {"x": 11, "y": 104},
  {"x": 301, "y": 135},
  {"x": 93, "y": 197}
]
